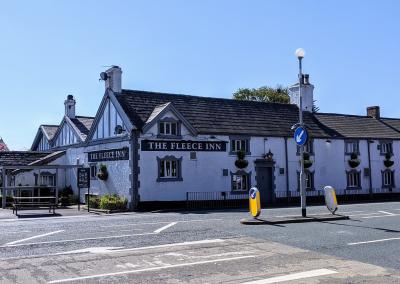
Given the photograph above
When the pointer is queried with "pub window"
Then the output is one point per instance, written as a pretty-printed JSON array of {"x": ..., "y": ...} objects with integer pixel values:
[
  {"x": 308, "y": 147},
  {"x": 352, "y": 147},
  {"x": 169, "y": 169},
  {"x": 93, "y": 171},
  {"x": 386, "y": 147},
  {"x": 47, "y": 180},
  {"x": 388, "y": 179},
  {"x": 169, "y": 128},
  {"x": 308, "y": 180},
  {"x": 240, "y": 181},
  {"x": 240, "y": 144},
  {"x": 353, "y": 180}
]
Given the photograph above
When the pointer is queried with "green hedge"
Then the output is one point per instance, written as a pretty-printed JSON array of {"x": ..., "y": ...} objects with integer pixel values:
[
  {"x": 94, "y": 201},
  {"x": 113, "y": 202}
]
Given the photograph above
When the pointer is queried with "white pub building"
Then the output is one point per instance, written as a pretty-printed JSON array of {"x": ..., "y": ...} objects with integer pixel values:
[{"x": 159, "y": 147}]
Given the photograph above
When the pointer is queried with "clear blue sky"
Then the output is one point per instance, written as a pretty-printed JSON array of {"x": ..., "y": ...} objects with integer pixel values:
[{"x": 49, "y": 49}]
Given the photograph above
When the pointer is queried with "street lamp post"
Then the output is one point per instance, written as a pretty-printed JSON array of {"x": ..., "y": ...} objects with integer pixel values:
[{"x": 300, "y": 55}]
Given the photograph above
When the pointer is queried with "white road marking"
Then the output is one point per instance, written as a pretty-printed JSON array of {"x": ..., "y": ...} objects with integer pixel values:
[
  {"x": 294, "y": 276},
  {"x": 150, "y": 269},
  {"x": 76, "y": 240},
  {"x": 380, "y": 216},
  {"x": 34, "y": 237},
  {"x": 388, "y": 213},
  {"x": 160, "y": 222},
  {"x": 118, "y": 249},
  {"x": 373, "y": 241},
  {"x": 165, "y": 227}
]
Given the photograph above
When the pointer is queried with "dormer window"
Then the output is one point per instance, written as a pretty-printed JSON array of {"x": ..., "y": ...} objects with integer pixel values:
[{"x": 169, "y": 127}]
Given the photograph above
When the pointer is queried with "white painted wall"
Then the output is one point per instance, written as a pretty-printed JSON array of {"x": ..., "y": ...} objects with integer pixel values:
[{"x": 119, "y": 171}]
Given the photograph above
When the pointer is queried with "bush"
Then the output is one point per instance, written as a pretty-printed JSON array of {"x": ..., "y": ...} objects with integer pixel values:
[
  {"x": 66, "y": 191},
  {"x": 94, "y": 201},
  {"x": 67, "y": 196},
  {"x": 9, "y": 200},
  {"x": 113, "y": 202}
]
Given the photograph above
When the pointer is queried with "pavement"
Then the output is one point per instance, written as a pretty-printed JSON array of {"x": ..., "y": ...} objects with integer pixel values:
[{"x": 203, "y": 247}]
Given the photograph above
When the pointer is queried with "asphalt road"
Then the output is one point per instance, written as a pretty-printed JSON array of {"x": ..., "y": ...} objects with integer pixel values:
[{"x": 203, "y": 247}]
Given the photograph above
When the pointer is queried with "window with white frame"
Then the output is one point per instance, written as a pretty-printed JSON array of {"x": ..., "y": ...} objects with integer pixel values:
[
  {"x": 386, "y": 147},
  {"x": 168, "y": 128},
  {"x": 353, "y": 180},
  {"x": 352, "y": 147},
  {"x": 93, "y": 171},
  {"x": 240, "y": 181},
  {"x": 169, "y": 168},
  {"x": 388, "y": 178},
  {"x": 308, "y": 147},
  {"x": 47, "y": 180},
  {"x": 240, "y": 144},
  {"x": 308, "y": 180}
]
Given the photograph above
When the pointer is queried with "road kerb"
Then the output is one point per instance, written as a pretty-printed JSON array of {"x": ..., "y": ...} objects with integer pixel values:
[{"x": 289, "y": 220}]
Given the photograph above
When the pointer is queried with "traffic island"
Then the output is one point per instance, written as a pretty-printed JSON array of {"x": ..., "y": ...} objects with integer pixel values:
[{"x": 292, "y": 219}]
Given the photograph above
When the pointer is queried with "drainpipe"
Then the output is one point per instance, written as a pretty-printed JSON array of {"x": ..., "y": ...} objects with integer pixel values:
[
  {"x": 287, "y": 170},
  {"x": 370, "y": 170},
  {"x": 135, "y": 169}
]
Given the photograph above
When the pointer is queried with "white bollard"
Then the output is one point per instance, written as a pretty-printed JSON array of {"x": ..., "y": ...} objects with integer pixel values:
[{"x": 330, "y": 199}]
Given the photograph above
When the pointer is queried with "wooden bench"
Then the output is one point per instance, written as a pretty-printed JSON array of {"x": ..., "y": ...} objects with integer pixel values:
[{"x": 34, "y": 202}]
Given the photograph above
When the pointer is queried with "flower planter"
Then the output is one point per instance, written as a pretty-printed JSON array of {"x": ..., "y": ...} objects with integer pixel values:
[
  {"x": 103, "y": 175},
  {"x": 388, "y": 163},
  {"x": 354, "y": 163},
  {"x": 241, "y": 164},
  {"x": 307, "y": 163}
]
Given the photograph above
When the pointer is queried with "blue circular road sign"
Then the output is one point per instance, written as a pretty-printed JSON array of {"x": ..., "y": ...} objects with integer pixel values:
[
  {"x": 300, "y": 136},
  {"x": 253, "y": 193}
]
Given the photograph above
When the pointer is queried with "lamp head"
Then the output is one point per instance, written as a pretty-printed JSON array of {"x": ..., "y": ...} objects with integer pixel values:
[{"x": 300, "y": 53}]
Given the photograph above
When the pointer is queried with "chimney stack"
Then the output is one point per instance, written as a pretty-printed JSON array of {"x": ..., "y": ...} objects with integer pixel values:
[
  {"x": 374, "y": 111},
  {"x": 307, "y": 93},
  {"x": 69, "y": 104},
  {"x": 112, "y": 79}
]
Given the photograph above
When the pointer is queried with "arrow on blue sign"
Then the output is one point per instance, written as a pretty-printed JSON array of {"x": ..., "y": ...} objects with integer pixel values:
[{"x": 300, "y": 136}]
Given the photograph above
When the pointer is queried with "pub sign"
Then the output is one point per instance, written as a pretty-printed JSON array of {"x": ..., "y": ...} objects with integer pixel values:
[
  {"x": 109, "y": 155},
  {"x": 183, "y": 145},
  {"x": 83, "y": 177}
]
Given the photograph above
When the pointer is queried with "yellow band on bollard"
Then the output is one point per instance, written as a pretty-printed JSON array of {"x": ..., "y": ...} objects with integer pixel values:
[{"x": 254, "y": 202}]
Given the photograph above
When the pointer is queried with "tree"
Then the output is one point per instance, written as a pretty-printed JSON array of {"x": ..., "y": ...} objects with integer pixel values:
[{"x": 264, "y": 94}]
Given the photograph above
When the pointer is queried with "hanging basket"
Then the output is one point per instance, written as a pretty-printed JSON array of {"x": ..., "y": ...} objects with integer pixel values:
[
  {"x": 241, "y": 163},
  {"x": 103, "y": 173},
  {"x": 307, "y": 163},
  {"x": 388, "y": 163},
  {"x": 354, "y": 163}
]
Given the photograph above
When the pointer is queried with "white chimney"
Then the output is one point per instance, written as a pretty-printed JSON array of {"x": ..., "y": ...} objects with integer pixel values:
[
  {"x": 307, "y": 93},
  {"x": 112, "y": 78},
  {"x": 69, "y": 104}
]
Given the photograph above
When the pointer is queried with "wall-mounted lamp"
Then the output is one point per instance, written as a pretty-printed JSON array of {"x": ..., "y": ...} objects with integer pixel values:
[{"x": 328, "y": 141}]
